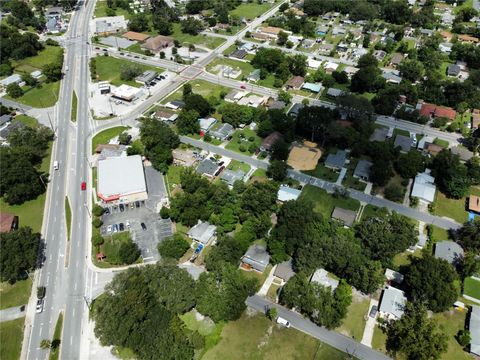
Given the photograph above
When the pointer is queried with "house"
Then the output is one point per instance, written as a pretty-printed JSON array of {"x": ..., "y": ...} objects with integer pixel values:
[
  {"x": 252, "y": 100},
  {"x": 272, "y": 31},
  {"x": 320, "y": 276},
  {"x": 334, "y": 92},
  {"x": 313, "y": 64},
  {"x": 449, "y": 251},
  {"x": 379, "y": 55},
  {"x": 7, "y": 130},
  {"x": 260, "y": 36},
  {"x": 392, "y": 77},
  {"x": 393, "y": 276},
  {"x": 445, "y": 47},
  {"x": 446, "y": 35},
  {"x": 362, "y": 170},
  {"x": 248, "y": 47},
  {"x": 475, "y": 118},
  {"x": 165, "y": 116},
  {"x": 474, "y": 204},
  {"x": 293, "y": 111},
  {"x": 14, "y": 78},
  {"x": 284, "y": 271},
  {"x": 206, "y": 124},
  {"x": 8, "y": 222},
  {"x": 157, "y": 43},
  {"x": 330, "y": 67},
  {"x": 207, "y": 168},
  {"x": 295, "y": 83},
  {"x": 350, "y": 71},
  {"x": 271, "y": 139},
  {"x": 5, "y": 120},
  {"x": 396, "y": 59},
  {"x": 325, "y": 49},
  {"x": 431, "y": 111},
  {"x": 474, "y": 327},
  {"x": 110, "y": 25},
  {"x": 336, "y": 161},
  {"x": 404, "y": 142},
  {"x": 392, "y": 303},
  {"x": 223, "y": 131},
  {"x": 203, "y": 232},
  {"x": 239, "y": 54},
  {"x": 230, "y": 176},
  {"x": 183, "y": 157},
  {"x": 256, "y": 258},
  {"x": 379, "y": 134},
  {"x": 36, "y": 74},
  {"x": 175, "y": 104},
  {"x": 432, "y": 149},
  {"x": 276, "y": 104},
  {"x": 346, "y": 217},
  {"x": 286, "y": 193},
  {"x": 315, "y": 88},
  {"x": 304, "y": 156},
  {"x": 468, "y": 39},
  {"x": 424, "y": 187},
  {"x": 453, "y": 70},
  {"x": 146, "y": 77},
  {"x": 342, "y": 47},
  {"x": 322, "y": 30},
  {"x": 114, "y": 186},
  {"x": 135, "y": 36},
  {"x": 229, "y": 72},
  {"x": 338, "y": 30},
  {"x": 234, "y": 95},
  {"x": 254, "y": 76}
]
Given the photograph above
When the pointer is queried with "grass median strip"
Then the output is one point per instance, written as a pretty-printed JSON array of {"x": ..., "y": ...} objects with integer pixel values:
[
  {"x": 68, "y": 216},
  {"x": 73, "y": 115},
  {"x": 57, "y": 339}
]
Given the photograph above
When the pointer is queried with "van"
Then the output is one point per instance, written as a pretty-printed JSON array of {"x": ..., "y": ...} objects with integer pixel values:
[
  {"x": 283, "y": 322},
  {"x": 55, "y": 165}
]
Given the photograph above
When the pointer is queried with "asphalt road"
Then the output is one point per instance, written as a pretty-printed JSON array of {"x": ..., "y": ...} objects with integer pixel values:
[
  {"x": 329, "y": 186},
  {"x": 331, "y": 338}
]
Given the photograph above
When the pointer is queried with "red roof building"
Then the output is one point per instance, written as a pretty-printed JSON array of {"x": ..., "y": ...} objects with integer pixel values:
[
  {"x": 432, "y": 110},
  {"x": 8, "y": 222}
]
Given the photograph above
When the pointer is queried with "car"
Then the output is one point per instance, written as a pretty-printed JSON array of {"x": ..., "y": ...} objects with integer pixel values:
[
  {"x": 221, "y": 163},
  {"x": 132, "y": 205},
  {"x": 153, "y": 83},
  {"x": 109, "y": 229},
  {"x": 137, "y": 57},
  {"x": 115, "y": 228},
  {"x": 41, "y": 292},
  {"x": 121, "y": 227},
  {"x": 127, "y": 224},
  {"x": 283, "y": 322},
  {"x": 106, "y": 211},
  {"x": 84, "y": 186},
  {"x": 97, "y": 48},
  {"x": 137, "y": 204},
  {"x": 122, "y": 53},
  {"x": 243, "y": 87},
  {"x": 213, "y": 159},
  {"x": 122, "y": 207},
  {"x": 40, "y": 304},
  {"x": 199, "y": 248},
  {"x": 144, "y": 227},
  {"x": 55, "y": 165},
  {"x": 373, "y": 311},
  {"x": 114, "y": 209}
]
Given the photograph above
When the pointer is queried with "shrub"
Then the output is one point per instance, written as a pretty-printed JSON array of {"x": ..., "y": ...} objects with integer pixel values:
[
  {"x": 173, "y": 247},
  {"x": 98, "y": 210},
  {"x": 242, "y": 148},
  {"x": 97, "y": 222},
  {"x": 394, "y": 192},
  {"x": 164, "y": 213}
]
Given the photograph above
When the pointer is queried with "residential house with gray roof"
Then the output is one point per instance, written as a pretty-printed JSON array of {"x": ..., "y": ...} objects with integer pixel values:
[{"x": 256, "y": 258}]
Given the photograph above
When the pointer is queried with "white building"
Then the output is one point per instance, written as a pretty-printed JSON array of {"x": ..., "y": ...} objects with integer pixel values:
[
  {"x": 286, "y": 193},
  {"x": 424, "y": 187},
  {"x": 392, "y": 303},
  {"x": 126, "y": 92}
]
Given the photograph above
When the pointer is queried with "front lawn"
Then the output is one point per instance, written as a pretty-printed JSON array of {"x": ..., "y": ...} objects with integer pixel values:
[
  {"x": 16, "y": 294},
  {"x": 256, "y": 337},
  {"x": 354, "y": 323},
  {"x": 11, "y": 337},
  {"x": 244, "y": 145},
  {"x": 251, "y": 10},
  {"x": 379, "y": 339},
  {"x": 322, "y": 172},
  {"x": 42, "y": 96},
  {"x": 108, "y": 69},
  {"x": 472, "y": 288},
  {"x": 201, "y": 40},
  {"x": 451, "y": 208},
  {"x": 450, "y": 322},
  {"x": 27, "y": 121},
  {"x": 238, "y": 165},
  {"x": 105, "y": 136},
  {"x": 324, "y": 203}
]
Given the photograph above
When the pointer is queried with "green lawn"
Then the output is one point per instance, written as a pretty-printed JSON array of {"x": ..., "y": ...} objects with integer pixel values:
[
  {"x": 68, "y": 216},
  {"x": 237, "y": 144},
  {"x": 256, "y": 338},
  {"x": 272, "y": 292},
  {"x": 403, "y": 258},
  {"x": 379, "y": 339},
  {"x": 26, "y": 120},
  {"x": 322, "y": 172},
  {"x": 101, "y": 10},
  {"x": 354, "y": 323},
  {"x": 173, "y": 176},
  {"x": 16, "y": 294},
  {"x": 32, "y": 63},
  {"x": 105, "y": 136},
  {"x": 441, "y": 142},
  {"x": 451, "y": 208},
  {"x": 200, "y": 40},
  {"x": 42, "y": 96},
  {"x": 108, "y": 69},
  {"x": 245, "y": 67},
  {"x": 438, "y": 234},
  {"x": 73, "y": 115},
  {"x": 250, "y": 10},
  {"x": 11, "y": 337},
  {"x": 238, "y": 165},
  {"x": 201, "y": 87},
  {"x": 57, "y": 336},
  {"x": 450, "y": 322},
  {"x": 352, "y": 182},
  {"x": 259, "y": 174},
  {"x": 472, "y": 287},
  {"x": 324, "y": 203},
  {"x": 112, "y": 245},
  {"x": 372, "y": 210}
]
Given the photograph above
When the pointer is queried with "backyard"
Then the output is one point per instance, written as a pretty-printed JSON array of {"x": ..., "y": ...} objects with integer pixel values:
[
  {"x": 324, "y": 203},
  {"x": 173, "y": 176},
  {"x": 105, "y": 136},
  {"x": 11, "y": 337}
]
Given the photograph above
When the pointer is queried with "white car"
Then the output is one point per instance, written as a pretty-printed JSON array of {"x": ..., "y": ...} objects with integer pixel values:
[
  {"x": 109, "y": 229},
  {"x": 40, "y": 304},
  {"x": 283, "y": 322},
  {"x": 127, "y": 224}
]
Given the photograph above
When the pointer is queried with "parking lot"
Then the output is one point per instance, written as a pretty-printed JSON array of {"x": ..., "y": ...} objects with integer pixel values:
[
  {"x": 156, "y": 228},
  {"x": 155, "y": 187}
]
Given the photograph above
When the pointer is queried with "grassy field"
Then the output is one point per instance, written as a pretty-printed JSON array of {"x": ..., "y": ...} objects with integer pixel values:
[
  {"x": 32, "y": 63},
  {"x": 44, "y": 95},
  {"x": 324, "y": 203},
  {"x": 472, "y": 288},
  {"x": 101, "y": 10},
  {"x": 173, "y": 176},
  {"x": 238, "y": 165},
  {"x": 236, "y": 143},
  {"x": 112, "y": 245},
  {"x": 379, "y": 339},
  {"x": 73, "y": 115},
  {"x": 200, "y": 40},
  {"x": 200, "y": 87},
  {"x": 11, "y": 337},
  {"x": 108, "y": 70},
  {"x": 57, "y": 336},
  {"x": 322, "y": 172},
  {"x": 251, "y": 10},
  {"x": 450, "y": 322},
  {"x": 15, "y": 295},
  {"x": 372, "y": 210},
  {"x": 26, "y": 120},
  {"x": 451, "y": 208},
  {"x": 438, "y": 234},
  {"x": 256, "y": 338},
  {"x": 105, "y": 136},
  {"x": 68, "y": 216},
  {"x": 354, "y": 323}
]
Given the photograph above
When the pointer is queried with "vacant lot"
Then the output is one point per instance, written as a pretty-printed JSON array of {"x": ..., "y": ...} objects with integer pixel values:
[
  {"x": 42, "y": 96},
  {"x": 256, "y": 338},
  {"x": 250, "y": 10},
  {"x": 16, "y": 294},
  {"x": 11, "y": 336},
  {"x": 201, "y": 87},
  {"x": 32, "y": 63},
  {"x": 244, "y": 145},
  {"x": 108, "y": 69},
  {"x": 112, "y": 245},
  {"x": 450, "y": 322},
  {"x": 324, "y": 203},
  {"x": 354, "y": 323},
  {"x": 453, "y": 208},
  {"x": 105, "y": 136},
  {"x": 200, "y": 40}
]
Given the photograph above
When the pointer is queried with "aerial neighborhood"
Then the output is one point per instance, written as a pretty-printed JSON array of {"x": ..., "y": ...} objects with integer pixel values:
[{"x": 253, "y": 179}]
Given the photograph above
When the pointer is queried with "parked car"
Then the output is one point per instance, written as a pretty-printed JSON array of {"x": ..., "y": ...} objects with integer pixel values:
[
  {"x": 127, "y": 224},
  {"x": 41, "y": 292},
  {"x": 283, "y": 322},
  {"x": 144, "y": 227},
  {"x": 122, "y": 207},
  {"x": 243, "y": 87},
  {"x": 121, "y": 227},
  {"x": 115, "y": 228},
  {"x": 137, "y": 204},
  {"x": 199, "y": 249},
  {"x": 109, "y": 229},
  {"x": 106, "y": 211},
  {"x": 373, "y": 311},
  {"x": 132, "y": 205},
  {"x": 40, "y": 304}
]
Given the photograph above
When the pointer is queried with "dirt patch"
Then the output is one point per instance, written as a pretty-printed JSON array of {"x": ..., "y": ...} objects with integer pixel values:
[{"x": 304, "y": 156}]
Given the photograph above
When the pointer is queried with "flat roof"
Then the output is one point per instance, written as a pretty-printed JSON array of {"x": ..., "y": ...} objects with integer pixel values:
[{"x": 120, "y": 176}]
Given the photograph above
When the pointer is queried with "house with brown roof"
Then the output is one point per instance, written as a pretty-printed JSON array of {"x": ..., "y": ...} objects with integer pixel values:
[
  {"x": 271, "y": 139},
  {"x": 433, "y": 149},
  {"x": 157, "y": 43},
  {"x": 468, "y": 39},
  {"x": 260, "y": 36},
  {"x": 474, "y": 204},
  {"x": 446, "y": 35},
  {"x": 432, "y": 111},
  {"x": 295, "y": 83},
  {"x": 475, "y": 118},
  {"x": 396, "y": 59},
  {"x": 135, "y": 36},
  {"x": 8, "y": 222},
  {"x": 272, "y": 31}
]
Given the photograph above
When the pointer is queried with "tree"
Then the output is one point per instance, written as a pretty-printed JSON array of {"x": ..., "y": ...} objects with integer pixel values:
[
  {"x": 198, "y": 103},
  {"x": 367, "y": 79},
  {"x": 128, "y": 252},
  {"x": 173, "y": 247},
  {"x": 411, "y": 69},
  {"x": 282, "y": 38},
  {"x": 29, "y": 80},
  {"x": 284, "y": 96},
  {"x": 53, "y": 71},
  {"x": 463, "y": 337},
  {"x": 45, "y": 344},
  {"x": 138, "y": 22},
  {"x": 381, "y": 171},
  {"x": 19, "y": 251},
  {"x": 277, "y": 170},
  {"x": 469, "y": 236},
  {"x": 191, "y": 25},
  {"x": 451, "y": 175},
  {"x": 394, "y": 192},
  {"x": 431, "y": 281},
  {"x": 14, "y": 90},
  {"x": 415, "y": 335},
  {"x": 130, "y": 71},
  {"x": 280, "y": 150},
  {"x": 272, "y": 313},
  {"x": 409, "y": 164},
  {"x": 187, "y": 122}
]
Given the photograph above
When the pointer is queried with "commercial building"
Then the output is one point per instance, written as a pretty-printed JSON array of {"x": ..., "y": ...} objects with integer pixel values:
[
  {"x": 146, "y": 77},
  {"x": 109, "y": 25},
  {"x": 126, "y": 92},
  {"x": 121, "y": 179},
  {"x": 157, "y": 43}
]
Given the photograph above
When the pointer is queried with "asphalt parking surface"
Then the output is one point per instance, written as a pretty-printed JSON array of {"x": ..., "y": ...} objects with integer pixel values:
[
  {"x": 155, "y": 188},
  {"x": 147, "y": 240}
]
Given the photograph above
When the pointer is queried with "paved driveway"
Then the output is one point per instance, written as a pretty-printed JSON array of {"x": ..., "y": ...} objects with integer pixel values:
[{"x": 155, "y": 187}]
